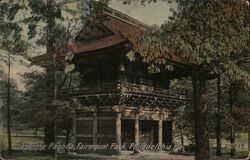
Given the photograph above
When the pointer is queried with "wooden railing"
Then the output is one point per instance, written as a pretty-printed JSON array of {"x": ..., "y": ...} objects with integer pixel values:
[
  {"x": 127, "y": 88},
  {"x": 96, "y": 89},
  {"x": 151, "y": 91}
]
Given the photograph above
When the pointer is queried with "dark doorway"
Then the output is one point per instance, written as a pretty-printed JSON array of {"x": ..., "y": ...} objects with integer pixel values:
[
  {"x": 149, "y": 132},
  {"x": 128, "y": 132},
  {"x": 167, "y": 132}
]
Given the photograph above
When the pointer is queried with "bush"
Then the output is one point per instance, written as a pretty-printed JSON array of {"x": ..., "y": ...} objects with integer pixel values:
[{"x": 190, "y": 148}]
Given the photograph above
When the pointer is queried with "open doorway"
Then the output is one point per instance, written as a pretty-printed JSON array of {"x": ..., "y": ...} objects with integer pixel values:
[
  {"x": 167, "y": 132},
  {"x": 128, "y": 132},
  {"x": 149, "y": 131}
]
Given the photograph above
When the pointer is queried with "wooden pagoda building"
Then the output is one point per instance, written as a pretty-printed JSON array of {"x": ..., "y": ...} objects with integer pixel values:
[{"x": 119, "y": 101}]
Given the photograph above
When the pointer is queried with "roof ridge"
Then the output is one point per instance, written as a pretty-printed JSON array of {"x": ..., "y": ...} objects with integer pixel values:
[{"x": 125, "y": 18}]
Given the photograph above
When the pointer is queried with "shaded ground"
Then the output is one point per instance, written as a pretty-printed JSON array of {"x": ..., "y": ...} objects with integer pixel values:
[
  {"x": 149, "y": 155},
  {"x": 17, "y": 139},
  {"x": 123, "y": 156},
  {"x": 141, "y": 156},
  {"x": 146, "y": 155}
]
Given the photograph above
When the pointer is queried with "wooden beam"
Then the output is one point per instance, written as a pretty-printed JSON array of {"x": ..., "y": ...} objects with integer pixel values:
[
  {"x": 160, "y": 132},
  {"x": 94, "y": 128},
  {"x": 137, "y": 130},
  {"x": 118, "y": 130}
]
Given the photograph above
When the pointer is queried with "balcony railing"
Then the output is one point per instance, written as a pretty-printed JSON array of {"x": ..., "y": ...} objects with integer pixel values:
[
  {"x": 151, "y": 91},
  {"x": 126, "y": 88},
  {"x": 96, "y": 89}
]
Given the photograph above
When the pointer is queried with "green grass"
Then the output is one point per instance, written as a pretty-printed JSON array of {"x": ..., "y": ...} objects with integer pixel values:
[
  {"x": 28, "y": 156},
  {"x": 16, "y": 141},
  {"x": 241, "y": 153},
  {"x": 243, "y": 139},
  {"x": 26, "y": 132}
]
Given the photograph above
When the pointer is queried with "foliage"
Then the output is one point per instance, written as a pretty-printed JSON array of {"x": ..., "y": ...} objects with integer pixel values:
[
  {"x": 183, "y": 115},
  {"x": 51, "y": 24},
  {"x": 36, "y": 112},
  {"x": 10, "y": 28},
  {"x": 211, "y": 34},
  {"x": 15, "y": 101},
  {"x": 212, "y": 37}
]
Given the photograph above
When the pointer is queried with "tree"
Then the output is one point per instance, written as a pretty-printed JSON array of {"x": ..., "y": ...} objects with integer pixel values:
[
  {"x": 1, "y": 107},
  {"x": 55, "y": 36},
  {"x": 213, "y": 37},
  {"x": 36, "y": 115},
  {"x": 52, "y": 34},
  {"x": 11, "y": 41},
  {"x": 183, "y": 115},
  {"x": 218, "y": 118}
]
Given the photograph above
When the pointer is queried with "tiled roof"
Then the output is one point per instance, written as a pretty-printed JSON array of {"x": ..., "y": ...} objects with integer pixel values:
[
  {"x": 47, "y": 58},
  {"x": 121, "y": 25},
  {"x": 121, "y": 28},
  {"x": 87, "y": 46}
]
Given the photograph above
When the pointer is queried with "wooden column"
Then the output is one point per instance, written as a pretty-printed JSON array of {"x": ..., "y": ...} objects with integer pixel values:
[
  {"x": 160, "y": 132},
  {"x": 74, "y": 128},
  {"x": 137, "y": 130},
  {"x": 171, "y": 132},
  {"x": 118, "y": 128},
  {"x": 94, "y": 128}
]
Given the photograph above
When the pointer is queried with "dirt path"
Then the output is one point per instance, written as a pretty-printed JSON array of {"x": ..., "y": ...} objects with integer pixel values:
[{"x": 140, "y": 156}]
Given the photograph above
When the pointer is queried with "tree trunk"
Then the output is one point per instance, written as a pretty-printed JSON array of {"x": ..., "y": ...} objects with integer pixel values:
[
  {"x": 68, "y": 128},
  {"x": 249, "y": 134},
  {"x": 232, "y": 137},
  {"x": 201, "y": 110},
  {"x": 1, "y": 125},
  {"x": 36, "y": 132},
  {"x": 8, "y": 109},
  {"x": 49, "y": 136},
  {"x": 51, "y": 81},
  {"x": 218, "y": 120},
  {"x": 50, "y": 126}
]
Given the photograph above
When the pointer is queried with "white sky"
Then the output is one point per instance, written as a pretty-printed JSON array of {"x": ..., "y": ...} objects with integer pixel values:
[{"x": 152, "y": 13}]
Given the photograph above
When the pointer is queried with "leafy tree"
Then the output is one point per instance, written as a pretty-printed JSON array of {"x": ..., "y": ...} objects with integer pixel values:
[
  {"x": 34, "y": 107},
  {"x": 1, "y": 108},
  {"x": 183, "y": 116},
  {"x": 212, "y": 36},
  {"x": 46, "y": 24},
  {"x": 55, "y": 30},
  {"x": 12, "y": 42}
]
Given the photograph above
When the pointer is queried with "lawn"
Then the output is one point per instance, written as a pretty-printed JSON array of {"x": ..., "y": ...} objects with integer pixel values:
[
  {"x": 16, "y": 141},
  {"x": 28, "y": 156},
  {"x": 141, "y": 156},
  {"x": 242, "y": 140}
]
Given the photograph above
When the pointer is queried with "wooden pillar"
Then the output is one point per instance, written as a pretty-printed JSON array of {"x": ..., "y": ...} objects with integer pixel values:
[
  {"x": 74, "y": 128},
  {"x": 160, "y": 132},
  {"x": 137, "y": 130},
  {"x": 171, "y": 132},
  {"x": 94, "y": 128},
  {"x": 118, "y": 128}
]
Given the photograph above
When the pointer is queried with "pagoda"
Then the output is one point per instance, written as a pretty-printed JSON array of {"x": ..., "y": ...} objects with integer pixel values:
[{"x": 119, "y": 100}]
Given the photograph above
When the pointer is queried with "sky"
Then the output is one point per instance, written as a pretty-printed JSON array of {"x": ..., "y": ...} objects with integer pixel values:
[{"x": 153, "y": 13}]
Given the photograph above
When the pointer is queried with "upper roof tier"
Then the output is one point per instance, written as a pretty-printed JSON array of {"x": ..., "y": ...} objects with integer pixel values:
[{"x": 120, "y": 25}]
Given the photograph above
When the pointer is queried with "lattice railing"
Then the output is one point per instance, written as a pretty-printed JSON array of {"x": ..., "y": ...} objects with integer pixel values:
[
  {"x": 127, "y": 88},
  {"x": 151, "y": 91}
]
